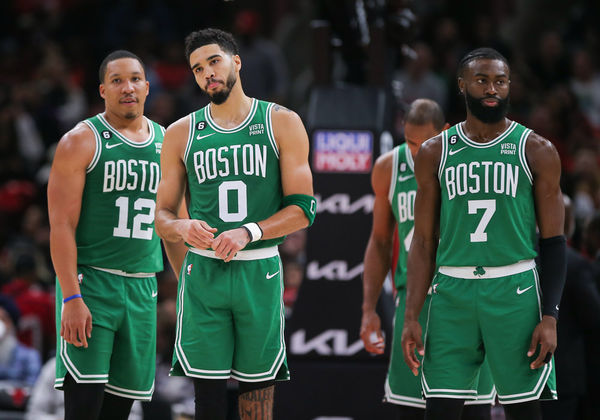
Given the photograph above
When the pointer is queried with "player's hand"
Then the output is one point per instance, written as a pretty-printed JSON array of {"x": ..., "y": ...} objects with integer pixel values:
[
  {"x": 197, "y": 233},
  {"x": 411, "y": 340},
  {"x": 544, "y": 335},
  {"x": 76, "y": 323},
  {"x": 370, "y": 333},
  {"x": 228, "y": 243}
]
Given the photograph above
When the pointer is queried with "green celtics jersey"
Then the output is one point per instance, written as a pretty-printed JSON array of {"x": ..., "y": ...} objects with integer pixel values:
[
  {"x": 116, "y": 224},
  {"x": 487, "y": 215},
  {"x": 233, "y": 174},
  {"x": 403, "y": 188}
]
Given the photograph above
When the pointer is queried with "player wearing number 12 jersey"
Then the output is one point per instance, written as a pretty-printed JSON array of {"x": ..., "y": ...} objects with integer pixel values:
[
  {"x": 101, "y": 203},
  {"x": 244, "y": 165},
  {"x": 484, "y": 184}
]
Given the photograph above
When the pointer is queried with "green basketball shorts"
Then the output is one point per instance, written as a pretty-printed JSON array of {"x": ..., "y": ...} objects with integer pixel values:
[
  {"x": 478, "y": 312},
  {"x": 404, "y": 388},
  {"x": 122, "y": 350},
  {"x": 230, "y": 317}
]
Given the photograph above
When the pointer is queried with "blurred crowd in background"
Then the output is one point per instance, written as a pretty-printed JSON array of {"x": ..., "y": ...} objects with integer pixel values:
[{"x": 51, "y": 50}]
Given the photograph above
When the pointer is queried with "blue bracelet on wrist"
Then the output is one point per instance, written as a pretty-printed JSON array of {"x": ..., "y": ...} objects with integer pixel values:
[{"x": 75, "y": 296}]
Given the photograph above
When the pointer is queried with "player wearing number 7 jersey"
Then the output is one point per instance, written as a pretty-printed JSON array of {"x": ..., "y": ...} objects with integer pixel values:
[
  {"x": 101, "y": 204},
  {"x": 244, "y": 164},
  {"x": 395, "y": 188},
  {"x": 483, "y": 185}
]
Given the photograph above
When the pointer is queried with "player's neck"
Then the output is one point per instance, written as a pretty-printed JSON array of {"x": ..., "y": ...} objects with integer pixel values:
[
  {"x": 233, "y": 111},
  {"x": 135, "y": 129},
  {"x": 481, "y": 132}
]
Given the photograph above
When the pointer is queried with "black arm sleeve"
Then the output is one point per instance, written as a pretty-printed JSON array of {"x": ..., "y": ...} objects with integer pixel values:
[{"x": 553, "y": 265}]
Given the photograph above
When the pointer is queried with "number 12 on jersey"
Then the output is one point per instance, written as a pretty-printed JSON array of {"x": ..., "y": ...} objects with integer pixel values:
[{"x": 146, "y": 217}]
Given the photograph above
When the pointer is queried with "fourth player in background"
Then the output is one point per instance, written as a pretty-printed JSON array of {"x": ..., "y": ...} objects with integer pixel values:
[{"x": 395, "y": 187}]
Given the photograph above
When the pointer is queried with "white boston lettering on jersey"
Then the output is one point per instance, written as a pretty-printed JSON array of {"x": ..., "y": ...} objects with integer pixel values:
[
  {"x": 131, "y": 175},
  {"x": 249, "y": 159},
  {"x": 406, "y": 202},
  {"x": 472, "y": 177}
]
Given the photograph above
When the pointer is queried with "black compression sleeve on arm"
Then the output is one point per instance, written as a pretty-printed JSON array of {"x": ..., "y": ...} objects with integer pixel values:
[{"x": 553, "y": 265}]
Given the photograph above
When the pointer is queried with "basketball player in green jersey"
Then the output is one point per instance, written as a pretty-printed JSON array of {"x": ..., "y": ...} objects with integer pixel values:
[
  {"x": 244, "y": 164},
  {"x": 101, "y": 204},
  {"x": 484, "y": 184},
  {"x": 395, "y": 187}
]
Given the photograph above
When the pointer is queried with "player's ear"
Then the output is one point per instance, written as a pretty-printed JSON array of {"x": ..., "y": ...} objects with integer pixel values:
[
  {"x": 101, "y": 89},
  {"x": 237, "y": 61},
  {"x": 461, "y": 85}
]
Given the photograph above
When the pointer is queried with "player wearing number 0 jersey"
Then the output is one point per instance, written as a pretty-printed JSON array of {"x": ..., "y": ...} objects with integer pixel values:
[
  {"x": 243, "y": 164},
  {"x": 484, "y": 184},
  {"x": 395, "y": 189},
  {"x": 233, "y": 174},
  {"x": 101, "y": 203}
]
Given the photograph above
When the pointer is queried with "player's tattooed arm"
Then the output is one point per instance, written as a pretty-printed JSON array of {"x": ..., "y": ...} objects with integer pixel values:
[
  {"x": 278, "y": 107},
  {"x": 257, "y": 404}
]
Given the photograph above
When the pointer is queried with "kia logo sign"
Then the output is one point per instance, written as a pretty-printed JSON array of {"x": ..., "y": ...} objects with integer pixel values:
[
  {"x": 343, "y": 204},
  {"x": 328, "y": 343},
  {"x": 335, "y": 270}
]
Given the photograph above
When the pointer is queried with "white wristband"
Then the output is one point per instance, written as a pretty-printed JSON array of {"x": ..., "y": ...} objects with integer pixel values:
[{"x": 255, "y": 231}]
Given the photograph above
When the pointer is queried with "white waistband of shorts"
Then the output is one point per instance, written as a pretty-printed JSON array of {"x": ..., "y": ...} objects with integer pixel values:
[
  {"x": 123, "y": 273},
  {"x": 488, "y": 272},
  {"x": 252, "y": 254}
]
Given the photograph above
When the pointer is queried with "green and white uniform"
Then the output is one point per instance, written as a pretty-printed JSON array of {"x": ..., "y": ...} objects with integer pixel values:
[
  {"x": 118, "y": 254},
  {"x": 401, "y": 386},
  {"x": 230, "y": 316},
  {"x": 486, "y": 295}
]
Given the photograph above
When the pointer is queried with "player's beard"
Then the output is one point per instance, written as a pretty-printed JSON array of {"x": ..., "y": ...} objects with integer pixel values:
[
  {"x": 487, "y": 114},
  {"x": 221, "y": 96}
]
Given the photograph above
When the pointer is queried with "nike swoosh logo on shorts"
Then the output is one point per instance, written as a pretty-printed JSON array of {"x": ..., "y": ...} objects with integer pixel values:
[
  {"x": 154, "y": 293},
  {"x": 453, "y": 152},
  {"x": 199, "y": 137},
  {"x": 110, "y": 146},
  {"x": 270, "y": 276},
  {"x": 404, "y": 178},
  {"x": 519, "y": 291}
]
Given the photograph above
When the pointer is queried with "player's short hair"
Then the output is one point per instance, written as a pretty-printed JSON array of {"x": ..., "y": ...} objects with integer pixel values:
[
  {"x": 208, "y": 36},
  {"x": 115, "y": 55},
  {"x": 480, "y": 53},
  {"x": 425, "y": 111}
]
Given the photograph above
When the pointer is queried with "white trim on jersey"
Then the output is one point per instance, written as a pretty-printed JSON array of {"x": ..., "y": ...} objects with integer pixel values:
[
  {"x": 409, "y": 158},
  {"x": 249, "y": 255},
  {"x": 489, "y": 272},
  {"x": 394, "y": 179},
  {"x": 270, "y": 133},
  {"x": 98, "y": 150},
  {"x": 523, "y": 155},
  {"x": 444, "y": 156},
  {"x": 244, "y": 123},
  {"x": 123, "y": 273},
  {"x": 124, "y": 139},
  {"x": 188, "y": 146},
  {"x": 490, "y": 143}
]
